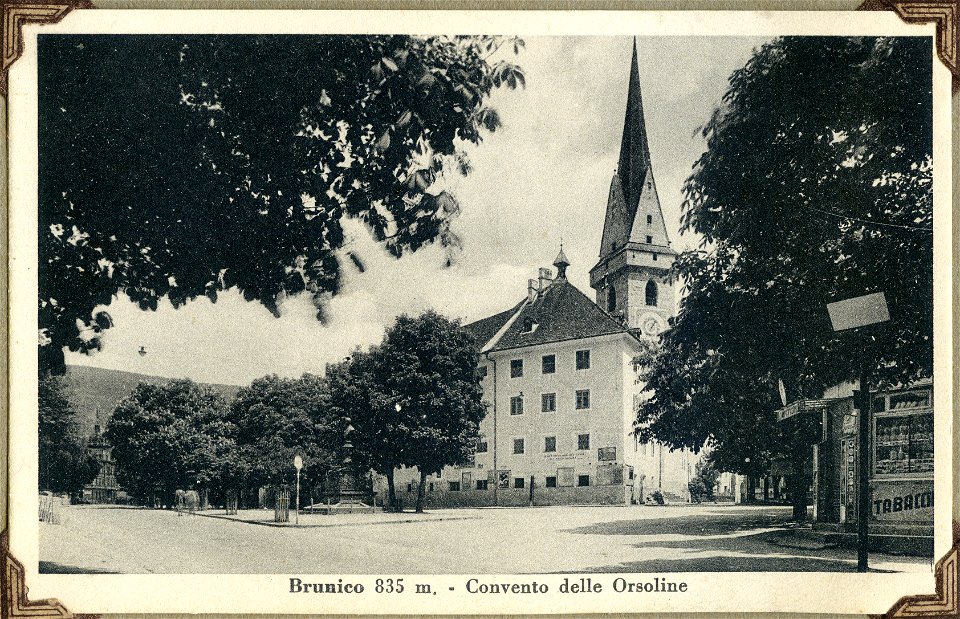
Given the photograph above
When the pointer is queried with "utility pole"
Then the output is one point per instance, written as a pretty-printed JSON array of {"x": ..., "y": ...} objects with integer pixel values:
[
  {"x": 856, "y": 313},
  {"x": 863, "y": 446}
]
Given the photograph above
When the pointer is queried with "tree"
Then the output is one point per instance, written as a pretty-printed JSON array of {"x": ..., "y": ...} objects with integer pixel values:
[
  {"x": 380, "y": 440},
  {"x": 165, "y": 437},
  {"x": 279, "y": 418},
  {"x": 415, "y": 400},
  {"x": 704, "y": 481},
  {"x": 815, "y": 186},
  {"x": 428, "y": 364},
  {"x": 64, "y": 463},
  {"x": 179, "y": 167}
]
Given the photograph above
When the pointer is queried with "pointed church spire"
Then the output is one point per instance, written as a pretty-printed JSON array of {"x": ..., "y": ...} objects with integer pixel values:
[{"x": 634, "y": 150}]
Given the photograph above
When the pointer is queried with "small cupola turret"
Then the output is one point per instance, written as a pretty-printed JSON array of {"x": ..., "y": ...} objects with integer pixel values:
[{"x": 561, "y": 263}]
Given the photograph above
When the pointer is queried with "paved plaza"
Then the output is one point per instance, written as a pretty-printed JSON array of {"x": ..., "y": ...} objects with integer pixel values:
[{"x": 111, "y": 539}]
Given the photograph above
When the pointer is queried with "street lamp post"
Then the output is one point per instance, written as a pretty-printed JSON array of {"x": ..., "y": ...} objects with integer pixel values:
[{"x": 298, "y": 464}]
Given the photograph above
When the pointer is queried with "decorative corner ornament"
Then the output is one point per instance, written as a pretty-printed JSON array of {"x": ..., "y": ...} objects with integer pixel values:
[
  {"x": 15, "y": 603},
  {"x": 944, "y": 12},
  {"x": 944, "y": 603},
  {"x": 18, "y": 12}
]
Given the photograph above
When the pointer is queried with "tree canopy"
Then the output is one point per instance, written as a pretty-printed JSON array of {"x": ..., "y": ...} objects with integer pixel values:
[
  {"x": 416, "y": 399},
  {"x": 279, "y": 418},
  {"x": 182, "y": 166},
  {"x": 815, "y": 187},
  {"x": 64, "y": 463},
  {"x": 166, "y": 437}
]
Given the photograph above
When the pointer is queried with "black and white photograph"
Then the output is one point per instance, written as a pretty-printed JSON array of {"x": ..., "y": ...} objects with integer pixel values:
[{"x": 537, "y": 314}]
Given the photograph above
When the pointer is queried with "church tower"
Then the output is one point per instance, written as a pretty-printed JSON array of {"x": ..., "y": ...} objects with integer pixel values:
[{"x": 632, "y": 277}]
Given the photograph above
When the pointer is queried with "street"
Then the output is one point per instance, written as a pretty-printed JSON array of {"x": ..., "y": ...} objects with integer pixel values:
[{"x": 112, "y": 539}]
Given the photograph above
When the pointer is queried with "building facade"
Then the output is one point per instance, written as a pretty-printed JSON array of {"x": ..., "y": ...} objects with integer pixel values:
[
  {"x": 900, "y": 466},
  {"x": 558, "y": 369},
  {"x": 104, "y": 488}
]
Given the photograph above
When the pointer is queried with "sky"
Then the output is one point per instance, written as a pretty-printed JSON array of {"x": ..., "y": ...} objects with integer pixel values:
[{"x": 542, "y": 178}]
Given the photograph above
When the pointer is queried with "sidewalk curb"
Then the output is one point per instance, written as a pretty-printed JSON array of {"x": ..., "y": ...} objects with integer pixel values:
[{"x": 286, "y": 525}]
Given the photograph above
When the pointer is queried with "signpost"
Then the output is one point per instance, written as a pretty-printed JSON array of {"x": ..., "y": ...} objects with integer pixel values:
[
  {"x": 852, "y": 314},
  {"x": 298, "y": 464}
]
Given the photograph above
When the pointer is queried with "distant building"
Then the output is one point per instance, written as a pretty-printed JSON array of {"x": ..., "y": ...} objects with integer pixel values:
[
  {"x": 559, "y": 372},
  {"x": 103, "y": 489}
]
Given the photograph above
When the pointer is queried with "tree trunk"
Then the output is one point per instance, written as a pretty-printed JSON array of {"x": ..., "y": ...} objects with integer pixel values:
[
  {"x": 798, "y": 491},
  {"x": 423, "y": 483},
  {"x": 391, "y": 492},
  {"x": 751, "y": 489}
]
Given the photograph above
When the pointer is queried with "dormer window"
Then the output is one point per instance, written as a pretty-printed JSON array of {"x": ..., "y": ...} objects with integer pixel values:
[{"x": 529, "y": 326}]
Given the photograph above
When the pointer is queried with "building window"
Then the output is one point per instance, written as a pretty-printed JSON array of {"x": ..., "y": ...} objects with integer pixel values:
[
  {"x": 654, "y": 256},
  {"x": 410, "y": 487},
  {"x": 583, "y": 480},
  {"x": 583, "y": 399},
  {"x": 550, "y": 481},
  {"x": 611, "y": 299},
  {"x": 482, "y": 484},
  {"x": 482, "y": 445},
  {"x": 503, "y": 479},
  {"x": 583, "y": 359},
  {"x": 583, "y": 442},
  {"x": 454, "y": 486},
  {"x": 548, "y": 364},
  {"x": 516, "y": 405},
  {"x": 651, "y": 293},
  {"x": 518, "y": 446},
  {"x": 516, "y": 367},
  {"x": 549, "y": 444},
  {"x": 649, "y": 220},
  {"x": 548, "y": 402},
  {"x": 430, "y": 487},
  {"x": 518, "y": 482},
  {"x": 904, "y": 442},
  {"x": 649, "y": 240}
]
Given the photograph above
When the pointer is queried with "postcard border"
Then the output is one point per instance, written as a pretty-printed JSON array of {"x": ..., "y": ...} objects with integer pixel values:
[{"x": 945, "y": 602}]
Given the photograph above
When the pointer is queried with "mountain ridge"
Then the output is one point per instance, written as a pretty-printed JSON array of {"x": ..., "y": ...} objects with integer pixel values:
[{"x": 96, "y": 392}]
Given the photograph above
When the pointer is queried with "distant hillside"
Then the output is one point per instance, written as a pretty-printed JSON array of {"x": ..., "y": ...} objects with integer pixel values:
[{"x": 95, "y": 392}]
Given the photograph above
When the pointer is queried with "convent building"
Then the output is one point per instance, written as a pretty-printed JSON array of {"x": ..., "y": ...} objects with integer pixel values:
[{"x": 559, "y": 371}]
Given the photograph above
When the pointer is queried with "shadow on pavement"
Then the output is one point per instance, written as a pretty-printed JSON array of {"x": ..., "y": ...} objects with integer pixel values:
[
  {"x": 714, "y": 524},
  {"x": 732, "y": 564},
  {"x": 49, "y": 567}
]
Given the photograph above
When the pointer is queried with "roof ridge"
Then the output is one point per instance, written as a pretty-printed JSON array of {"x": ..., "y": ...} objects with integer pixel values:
[{"x": 506, "y": 326}]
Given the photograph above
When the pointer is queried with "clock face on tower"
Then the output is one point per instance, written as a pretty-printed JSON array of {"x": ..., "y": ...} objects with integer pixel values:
[{"x": 651, "y": 324}]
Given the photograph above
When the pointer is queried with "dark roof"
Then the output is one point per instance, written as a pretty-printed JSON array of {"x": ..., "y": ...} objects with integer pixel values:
[
  {"x": 561, "y": 312},
  {"x": 486, "y": 328}
]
